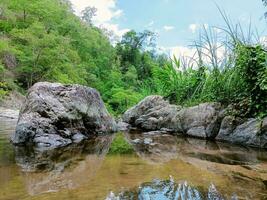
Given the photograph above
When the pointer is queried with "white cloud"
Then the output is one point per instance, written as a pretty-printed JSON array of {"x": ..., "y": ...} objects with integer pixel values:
[
  {"x": 189, "y": 56},
  {"x": 193, "y": 27},
  {"x": 106, "y": 11},
  {"x": 206, "y": 26},
  {"x": 217, "y": 30},
  {"x": 263, "y": 40},
  {"x": 114, "y": 28},
  {"x": 150, "y": 24},
  {"x": 168, "y": 28},
  {"x": 182, "y": 51}
]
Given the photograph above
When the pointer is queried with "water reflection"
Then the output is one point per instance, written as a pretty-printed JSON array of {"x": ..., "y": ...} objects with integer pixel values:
[
  {"x": 169, "y": 190},
  {"x": 63, "y": 168},
  {"x": 157, "y": 147},
  {"x": 85, "y": 171}
]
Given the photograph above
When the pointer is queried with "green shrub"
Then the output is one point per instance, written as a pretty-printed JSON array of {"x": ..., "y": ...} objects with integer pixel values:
[{"x": 251, "y": 63}]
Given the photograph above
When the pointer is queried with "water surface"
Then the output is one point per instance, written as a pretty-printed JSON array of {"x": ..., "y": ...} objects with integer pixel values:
[{"x": 162, "y": 167}]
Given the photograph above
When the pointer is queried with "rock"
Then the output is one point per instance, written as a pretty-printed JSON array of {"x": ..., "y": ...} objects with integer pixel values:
[
  {"x": 228, "y": 125},
  {"x": 200, "y": 121},
  {"x": 122, "y": 126},
  {"x": 77, "y": 138},
  {"x": 207, "y": 120},
  {"x": 264, "y": 125},
  {"x": 54, "y": 113},
  {"x": 50, "y": 140},
  {"x": 154, "y": 113},
  {"x": 248, "y": 133}
]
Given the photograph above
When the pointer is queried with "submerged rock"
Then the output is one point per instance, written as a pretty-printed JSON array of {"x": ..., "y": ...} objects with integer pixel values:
[{"x": 54, "y": 113}]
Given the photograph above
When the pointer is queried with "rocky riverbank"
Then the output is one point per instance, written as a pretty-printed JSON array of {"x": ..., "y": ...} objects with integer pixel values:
[
  {"x": 208, "y": 121},
  {"x": 55, "y": 115}
]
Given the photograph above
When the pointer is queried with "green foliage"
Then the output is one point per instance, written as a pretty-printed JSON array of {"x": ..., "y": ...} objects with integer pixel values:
[
  {"x": 50, "y": 43},
  {"x": 119, "y": 145},
  {"x": 4, "y": 89},
  {"x": 251, "y": 63},
  {"x": 132, "y": 52},
  {"x": 244, "y": 84}
]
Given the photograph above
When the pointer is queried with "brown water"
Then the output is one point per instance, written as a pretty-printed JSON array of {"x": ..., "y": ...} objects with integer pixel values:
[{"x": 162, "y": 167}]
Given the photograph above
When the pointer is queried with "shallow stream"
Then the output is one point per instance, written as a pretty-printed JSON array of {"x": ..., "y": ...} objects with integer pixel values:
[{"x": 161, "y": 167}]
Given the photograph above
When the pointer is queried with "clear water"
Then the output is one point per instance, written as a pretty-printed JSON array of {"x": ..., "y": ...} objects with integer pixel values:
[{"x": 162, "y": 167}]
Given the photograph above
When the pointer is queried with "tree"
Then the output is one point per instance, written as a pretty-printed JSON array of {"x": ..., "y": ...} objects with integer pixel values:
[
  {"x": 140, "y": 40},
  {"x": 88, "y": 13},
  {"x": 133, "y": 50}
]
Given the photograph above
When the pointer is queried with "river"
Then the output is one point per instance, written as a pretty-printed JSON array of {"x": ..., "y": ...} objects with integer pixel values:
[{"x": 161, "y": 167}]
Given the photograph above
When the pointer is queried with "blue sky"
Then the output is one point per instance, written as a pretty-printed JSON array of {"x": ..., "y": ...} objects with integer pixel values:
[{"x": 176, "y": 21}]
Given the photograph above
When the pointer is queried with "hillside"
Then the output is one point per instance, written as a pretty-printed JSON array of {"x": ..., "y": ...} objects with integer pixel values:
[{"x": 43, "y": 40}]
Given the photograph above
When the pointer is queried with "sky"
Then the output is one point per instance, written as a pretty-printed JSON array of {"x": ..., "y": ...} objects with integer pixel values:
[{"x": 176, "y": 22}]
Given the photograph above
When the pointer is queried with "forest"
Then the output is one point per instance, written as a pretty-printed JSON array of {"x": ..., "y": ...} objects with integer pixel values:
[{"x": 43, "y": 40}]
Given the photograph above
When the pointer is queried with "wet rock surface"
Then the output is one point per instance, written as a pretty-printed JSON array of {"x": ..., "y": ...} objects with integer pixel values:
[
  {"x": 53, "y": 113},
  {"x": 208, "y": 121}
]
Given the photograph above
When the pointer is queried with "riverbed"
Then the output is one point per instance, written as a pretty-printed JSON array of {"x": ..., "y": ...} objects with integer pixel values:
[{"x": 162, "y": 167}]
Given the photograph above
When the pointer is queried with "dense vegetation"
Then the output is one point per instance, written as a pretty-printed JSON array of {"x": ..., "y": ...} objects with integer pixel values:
[{"x": 43, "y": 40}]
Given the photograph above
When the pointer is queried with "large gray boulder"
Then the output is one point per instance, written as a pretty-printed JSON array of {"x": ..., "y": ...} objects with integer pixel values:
[
  {"x": 200, "y": 121},
  {"x": 154, "y": 113},
  {"x": 54, "y": 114},
  {"x": 251, "y": 132}
]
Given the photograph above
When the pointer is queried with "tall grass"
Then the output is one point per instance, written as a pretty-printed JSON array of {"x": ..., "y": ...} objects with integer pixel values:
[{"x": 218, "y": 70}]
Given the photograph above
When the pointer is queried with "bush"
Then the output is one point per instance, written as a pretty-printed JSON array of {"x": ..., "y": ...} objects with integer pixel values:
[{"x": 251, "y": 63}]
